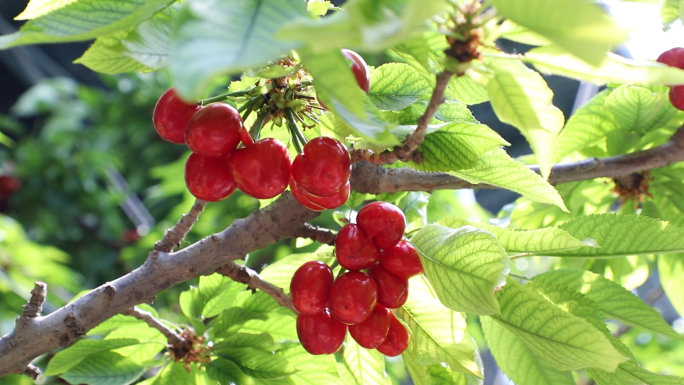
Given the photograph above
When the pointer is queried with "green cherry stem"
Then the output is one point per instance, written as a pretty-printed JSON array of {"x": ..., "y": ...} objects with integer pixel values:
[
  {"x": 218, "y": 98},
  {"x": 297, "y": 136},
  {"x": 256, "y": 127}
]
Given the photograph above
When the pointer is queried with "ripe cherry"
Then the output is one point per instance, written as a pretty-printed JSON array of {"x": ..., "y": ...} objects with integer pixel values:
[
  {"x": 354, "y": 250},
  {"x": 262, "y": 170},
  {"x": 353, "y": 296},
  {"x": 392, "y": 290},
  {"x": 383, "y": 222},
  {"x": 323, "y": 168},
  {"x": 171, "y": 115},
  {"x": 373, "y": 331},
  {"x": 208, "y": 177},
  {"x": 402, "y": 260},
  {"x": 677, "y": 97},
  {"x": 397, "y": 339},
  {"x": 310, "y": 287},
  {"x": 320, "y": 333},
  {"x": 672, "y": 58},
  {"x": 317, "y": 203},
  {"x": 214, "y": 130}
]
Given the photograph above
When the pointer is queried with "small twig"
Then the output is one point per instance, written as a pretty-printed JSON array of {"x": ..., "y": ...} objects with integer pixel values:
[
  {"x": 32, "y": 371},
  {"x": 316, "y": 233},
  {"x": 251, "y": 278},
  {"x": 178, "y": 345},
  {"x": 407, "y": 151},
  {"x": 35, "y": 304},
  {"x": 177, "y": 233}
]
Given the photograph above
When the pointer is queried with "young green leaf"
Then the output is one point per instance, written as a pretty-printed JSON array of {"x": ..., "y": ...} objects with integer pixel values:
[
  {"x": 582, "y": 28},
  {"x": 613, "y": 68},
  {"x": 258, "y": 363},
  {"x": 522, "y": 241},
  {"x": 152, "y": 341},
  {"x": 671, "y": 271},
  {"x": 227, "y": 372},
  {"x": 150, "y": 42},
  {"x": 635, "y": 108},
  {"x": 463, "y": 266},
  {"x": 367, "y": 366},
  {"x": 418, "y": 48},
  {"x": 107, "y": 55},
  {"x": 438, "y": 335},
  {"x": 622, "y": 235},
  {"x": 520, "y": 363},
  {"x": 495, "y": 167},
  {"x": 669, "y": 12},
  {"x": 522, "y": 98},
  {"x": 191, "y": 302},
  {"x": 514, "y": 32},
  {"x": 36, "y": 8},
  {"x": 395, "y": 86},
  {"x": 261, "y": 341},
  {"x": 311, "y": 369},
  {"x": 174, "y": 373},
  {"x": 218, "y": 293},
  {"x": 232, "y": 319},
  {"x": 84, "y": 20},
  {"x": 104, "y": 368},
  {"x": 615, "y": 301},
  {"x": 566, "y": 341},
  {"x": 229, "y": 36},
  {"x": 67, "y": 358},
  {"x": 434, "y": 374}
]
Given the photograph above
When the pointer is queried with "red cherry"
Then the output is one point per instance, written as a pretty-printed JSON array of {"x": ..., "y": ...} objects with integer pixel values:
[
  {"x": 354, "y": 250},
  {"x": 392, "y": 290},
  {"x": 171, "y": 115},
  {"x": 373, "y": 331},
  {"x": 303, "y": 198},
  {"x": 317, "y": 203},
  {"x": 677, "y": 97},
  {"x": 310, "y": 287},
  {"x": 214, "y": 130},
  {"x": 208, "y": 177},
  {"x": 323, "y": 168},
  {"x": 402, "y": 260},
  {"x": 261, "y": 171},
  {"x": 383, "y": 222},
  {"x": 246, "y": 139},
  {"x": 320, "y": 333},
  {"x": 353, "y": 296},
  {"x": 672, "y": 58},
  {"x": 360, "y": 69},
  {"x": 397, "y": 339}
]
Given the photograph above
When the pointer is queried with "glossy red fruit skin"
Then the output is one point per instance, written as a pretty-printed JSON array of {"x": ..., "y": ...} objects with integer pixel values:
[
  {"x": 303, "y": 198},
  {"x": 392, "y": 290},
  {"x": 672, "y": 58},
  {"x": 397, "y": 339},
  {"x": 354, "y": 250},
  {"x": 208, "y": 177},
  {"x": 262, "y": 170},
  {"x": 382, "y": 221},
  {"x": 373, "y": 331},
  {"x": 353, "y": 296},
  {"x": 402, "y": 260},
  {"x": 310, "y": 287},
  {"x": 214, "y": 130},
  {"x": 359, "y": 68},
  {"x": 317, "y": 203},
  {"x": 245, "y": 138},
  {"x": 320, "y": 333},
  {"x": 677, "y": 97},
  {"x": 171, "y": 115},
  {"x": 323, "y": 168}
]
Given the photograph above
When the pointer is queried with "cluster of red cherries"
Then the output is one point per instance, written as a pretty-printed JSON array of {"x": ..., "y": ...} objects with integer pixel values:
[
  {"x": 318, "y": 177},
  {"x": 378, "y": 265},
  {"x": 674, "y": 58}
]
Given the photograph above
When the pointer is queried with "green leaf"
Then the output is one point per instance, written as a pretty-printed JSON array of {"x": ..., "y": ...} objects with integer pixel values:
[
  {"x": 614, "y": 68},
  {"x": 84, "y": 20},
  {"x": 495, "y": 167},
  {"x": 150, "y": 42},
  {"x": 565, "y": 340},
  {"x": 588, "y": 126},
  {"x": 630, "y": 373},
  {"x": 71, "y": 356},
  {"x": 395, "y": 86},
  {"x": 104, "y": 368},
  {"x": 434, "y": 374},
  {"x": 514, "y": 32},
  {"x": 227, "y": 372},
  {"x": 438, "y": 335},
  {"x": 108, "y": 60},
  {"x": 366, "y": 366},
  {"x": 227, "y": 37},
  {"x": 318, "y": 8},
  {"x": 218, "y": 293},
  {"x": 635, "y": 108},
  {"x": 280, "y": 273},
  {"x": 418, "y": 48},
  {"x": 622, "y": 235},
  {"x": 520, "y": 363},
  {"x": 258, "y": 363},
  {"x": 191, "y": 302},
  {"x": 615, "y": 301},
  {"x": 581, "y": 27},
  {"x": 232, "y": 319},
  {"x": 537, "y": 241},
  {"x": 414, "y": 206},
  {"x": 174, "y": 373},
  {"x": 261, "y": 341},
  {"x": 36, "y": 8},
  {"x": 152, "y": 341},
  {"x": 463, "y": 266},
  {"x": 522, "y": 98},
  {"x": 671, "y": 270},
  {"x": 369, "y": 25},
  {"x": 311, "y": 369},
  {"x": 669, "y": 12}
]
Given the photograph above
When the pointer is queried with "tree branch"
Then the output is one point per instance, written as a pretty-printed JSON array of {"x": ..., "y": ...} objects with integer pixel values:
[
  {"x": 175, "y": 235},
  {"x": 251, "y": 278},
  {"x": 316, "y": 233},
  {"x": 178, "y": 345}
]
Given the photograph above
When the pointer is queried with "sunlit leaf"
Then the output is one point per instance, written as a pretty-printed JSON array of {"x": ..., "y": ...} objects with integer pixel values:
[
  {"x": 670, "y": 269},
  {"x": 67, "y": 358},
  {"x": 104, "y": 368},
  {"x": 367, "y": 366}
]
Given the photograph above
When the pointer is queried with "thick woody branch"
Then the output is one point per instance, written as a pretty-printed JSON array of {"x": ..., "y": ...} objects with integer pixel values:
[
  {"x": 407, "y": 151},
  {"x": 178, "y": 345},
  {"x": 316, "y": 233},
  {"x": 35, "y": 304},
  {"x": 251, "y": 278},
  {"x": 175, "y": 235}
]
